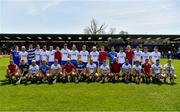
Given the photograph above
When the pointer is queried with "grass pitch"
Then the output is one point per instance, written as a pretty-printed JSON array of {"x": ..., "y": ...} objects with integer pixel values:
[{"x": 89, "y": 97}]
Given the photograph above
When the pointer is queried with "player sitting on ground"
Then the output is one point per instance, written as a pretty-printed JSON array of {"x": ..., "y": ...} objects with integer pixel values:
[
  {"x": 157, "y": 71},
  {"x": 126, "y": 71},
  {"x": 147, "y": 71},
  {"x": 115, "y": 70},
  {"x": 33, "y": 72},
  {"x": 69, "y": 72},
  {"x": 169, "y": 72},
  {"x": 12, "y": 70},
  {"x": 104, "y": 72},
  {"x": 80, "y": 69},
  {"x": 137, "y": 72},
  {"x": 91, "y": 71},
  {"x": 56, "y": 71},
  {"x": 23, "y": 70},
  {"x": 44, "y": 72}
]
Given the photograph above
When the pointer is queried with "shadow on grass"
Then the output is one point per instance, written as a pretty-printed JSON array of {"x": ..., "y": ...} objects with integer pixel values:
[{"x": 5, "y": 82}]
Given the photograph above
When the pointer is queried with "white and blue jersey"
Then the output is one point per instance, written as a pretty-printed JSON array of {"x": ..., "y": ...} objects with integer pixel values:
[
  {"x": 126, "y": 68},
  {"x": 65, "y": 53},
  {"x": 23, "y": 56},
  {"x": 51, "y": 57},
  {"x": 91, "y": 68},
  {"x": 34, "y": 69},
  {"x": 111, "y": 56},
  {"x": 145, "y": 55},
  {"x": 137, "y": 69},
  {"x": 84, "y": 57},
  {"x": 94, "y": 56},
  {"x": 44, "y": 56},
  {"x": 74, "y": 56},
  {"x": 15, "y": 57},
  {"x": 155, "y": 56},
  {"x": 31, "y": 55},
  {"x": 37, "y": 56}
]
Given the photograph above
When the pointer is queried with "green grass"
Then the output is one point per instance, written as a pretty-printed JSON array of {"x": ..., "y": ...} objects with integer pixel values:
[{"x": 93, "y": 96}]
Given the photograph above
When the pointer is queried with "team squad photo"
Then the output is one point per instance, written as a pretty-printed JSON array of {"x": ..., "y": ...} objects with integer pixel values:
[
  {"x": 90, "y": 55},
  {"x": 45, "y": 64}
]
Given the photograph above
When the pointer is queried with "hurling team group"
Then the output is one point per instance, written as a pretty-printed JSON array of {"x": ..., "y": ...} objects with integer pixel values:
[{"x": 49, "y": 65}]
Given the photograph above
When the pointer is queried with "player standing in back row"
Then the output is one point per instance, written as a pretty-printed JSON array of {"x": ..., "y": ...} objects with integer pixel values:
[
  {"x": 94, "y": 55},
  {"x": 65, "y": 54},
  {"x": 37, "y": 54},
  {"x": 102, "y": 55},
  {"x": 129, "y": 54},
  {"x": 51, "y": 55},
  {"x": 155, "y": 55},
  {"x": 84, "y": 54},
  {"x": 31, "y": 54},
  {"x": 74, "y": 54},
  {"x": 112, "y": 55},
  {"x": 137, "y": 55}
]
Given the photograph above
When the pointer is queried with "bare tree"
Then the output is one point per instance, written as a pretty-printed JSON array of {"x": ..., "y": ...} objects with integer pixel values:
[
  {"x": 94, "y": 28},
  {"x": 123, "y": 32},
  {"x": 112, "y": 30}
]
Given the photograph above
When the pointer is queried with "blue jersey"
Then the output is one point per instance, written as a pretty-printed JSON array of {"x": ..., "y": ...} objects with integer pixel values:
[
  {"x": 112, "y": 55},
  {"x": 44, "y": 68},
  {"x": 80, "y": 67},
  {"x": 15, "y": 56},
  {"x": 31, "y": 54}
]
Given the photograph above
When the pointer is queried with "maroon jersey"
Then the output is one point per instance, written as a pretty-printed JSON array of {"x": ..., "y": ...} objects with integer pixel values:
[
  {"x": 12, "y": 68},
  {"x": 147, "y": 68},
  {"x": 115, "y": 67},
  {"x": 102, "y": 55},
  {"x": 129, "y": 55},
  {"x": 58, "y": 55},
  {"x": 68, "y": 67}
]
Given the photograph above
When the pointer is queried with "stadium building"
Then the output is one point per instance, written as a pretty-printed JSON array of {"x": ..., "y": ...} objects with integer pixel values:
[{"x": 164, "y": 42}]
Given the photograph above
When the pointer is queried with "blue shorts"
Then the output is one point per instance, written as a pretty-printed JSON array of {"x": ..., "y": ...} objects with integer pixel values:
[
  {"x": 50, "y": 63},
  {"x": 59, "y": 62},
  {"x": 101, "y": 62},
  {"x": 121, "y": 64},
  {"x": 84, "y": 63},
  {"x": 29, "y": 62},
  {"x": 96, "y": 63},
  {"x": 110, "y": 63},
  {"x": 74, "y": 62},
  {"x": 63, "y": 62},
  {"x": 130, "y": 62},
  {"x": 38, "y": 62},
  {"x": 135, "y": 63},
  {"x": 16, "y": 62}
]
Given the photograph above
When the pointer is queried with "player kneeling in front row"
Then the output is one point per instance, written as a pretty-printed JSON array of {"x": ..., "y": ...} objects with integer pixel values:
[
  {"x": 137, "y": 72},
  {"x": 44, "y": 73},
  {"x": 12, "y": 70},
  {"x": 169, "y": 72},
  {"x": 69, "y": 72},
  {"x": 126, "y": 71},
  {"x": 23, "y": 71},
  {"x": 146, "y": 75},
  {"x": 104, "y": 72},
  {"x": 33, "y": 74},
  {"x": 157, "y": 72},
  {"x": 81, "y": 71},
  {"x": 56, "y": 71},
  {"x": 115, "y": 71},
  {"x": 92, "y": 74}
]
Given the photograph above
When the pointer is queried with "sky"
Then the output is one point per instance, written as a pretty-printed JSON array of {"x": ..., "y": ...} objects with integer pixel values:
[{"x": 72, "y": 16}]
